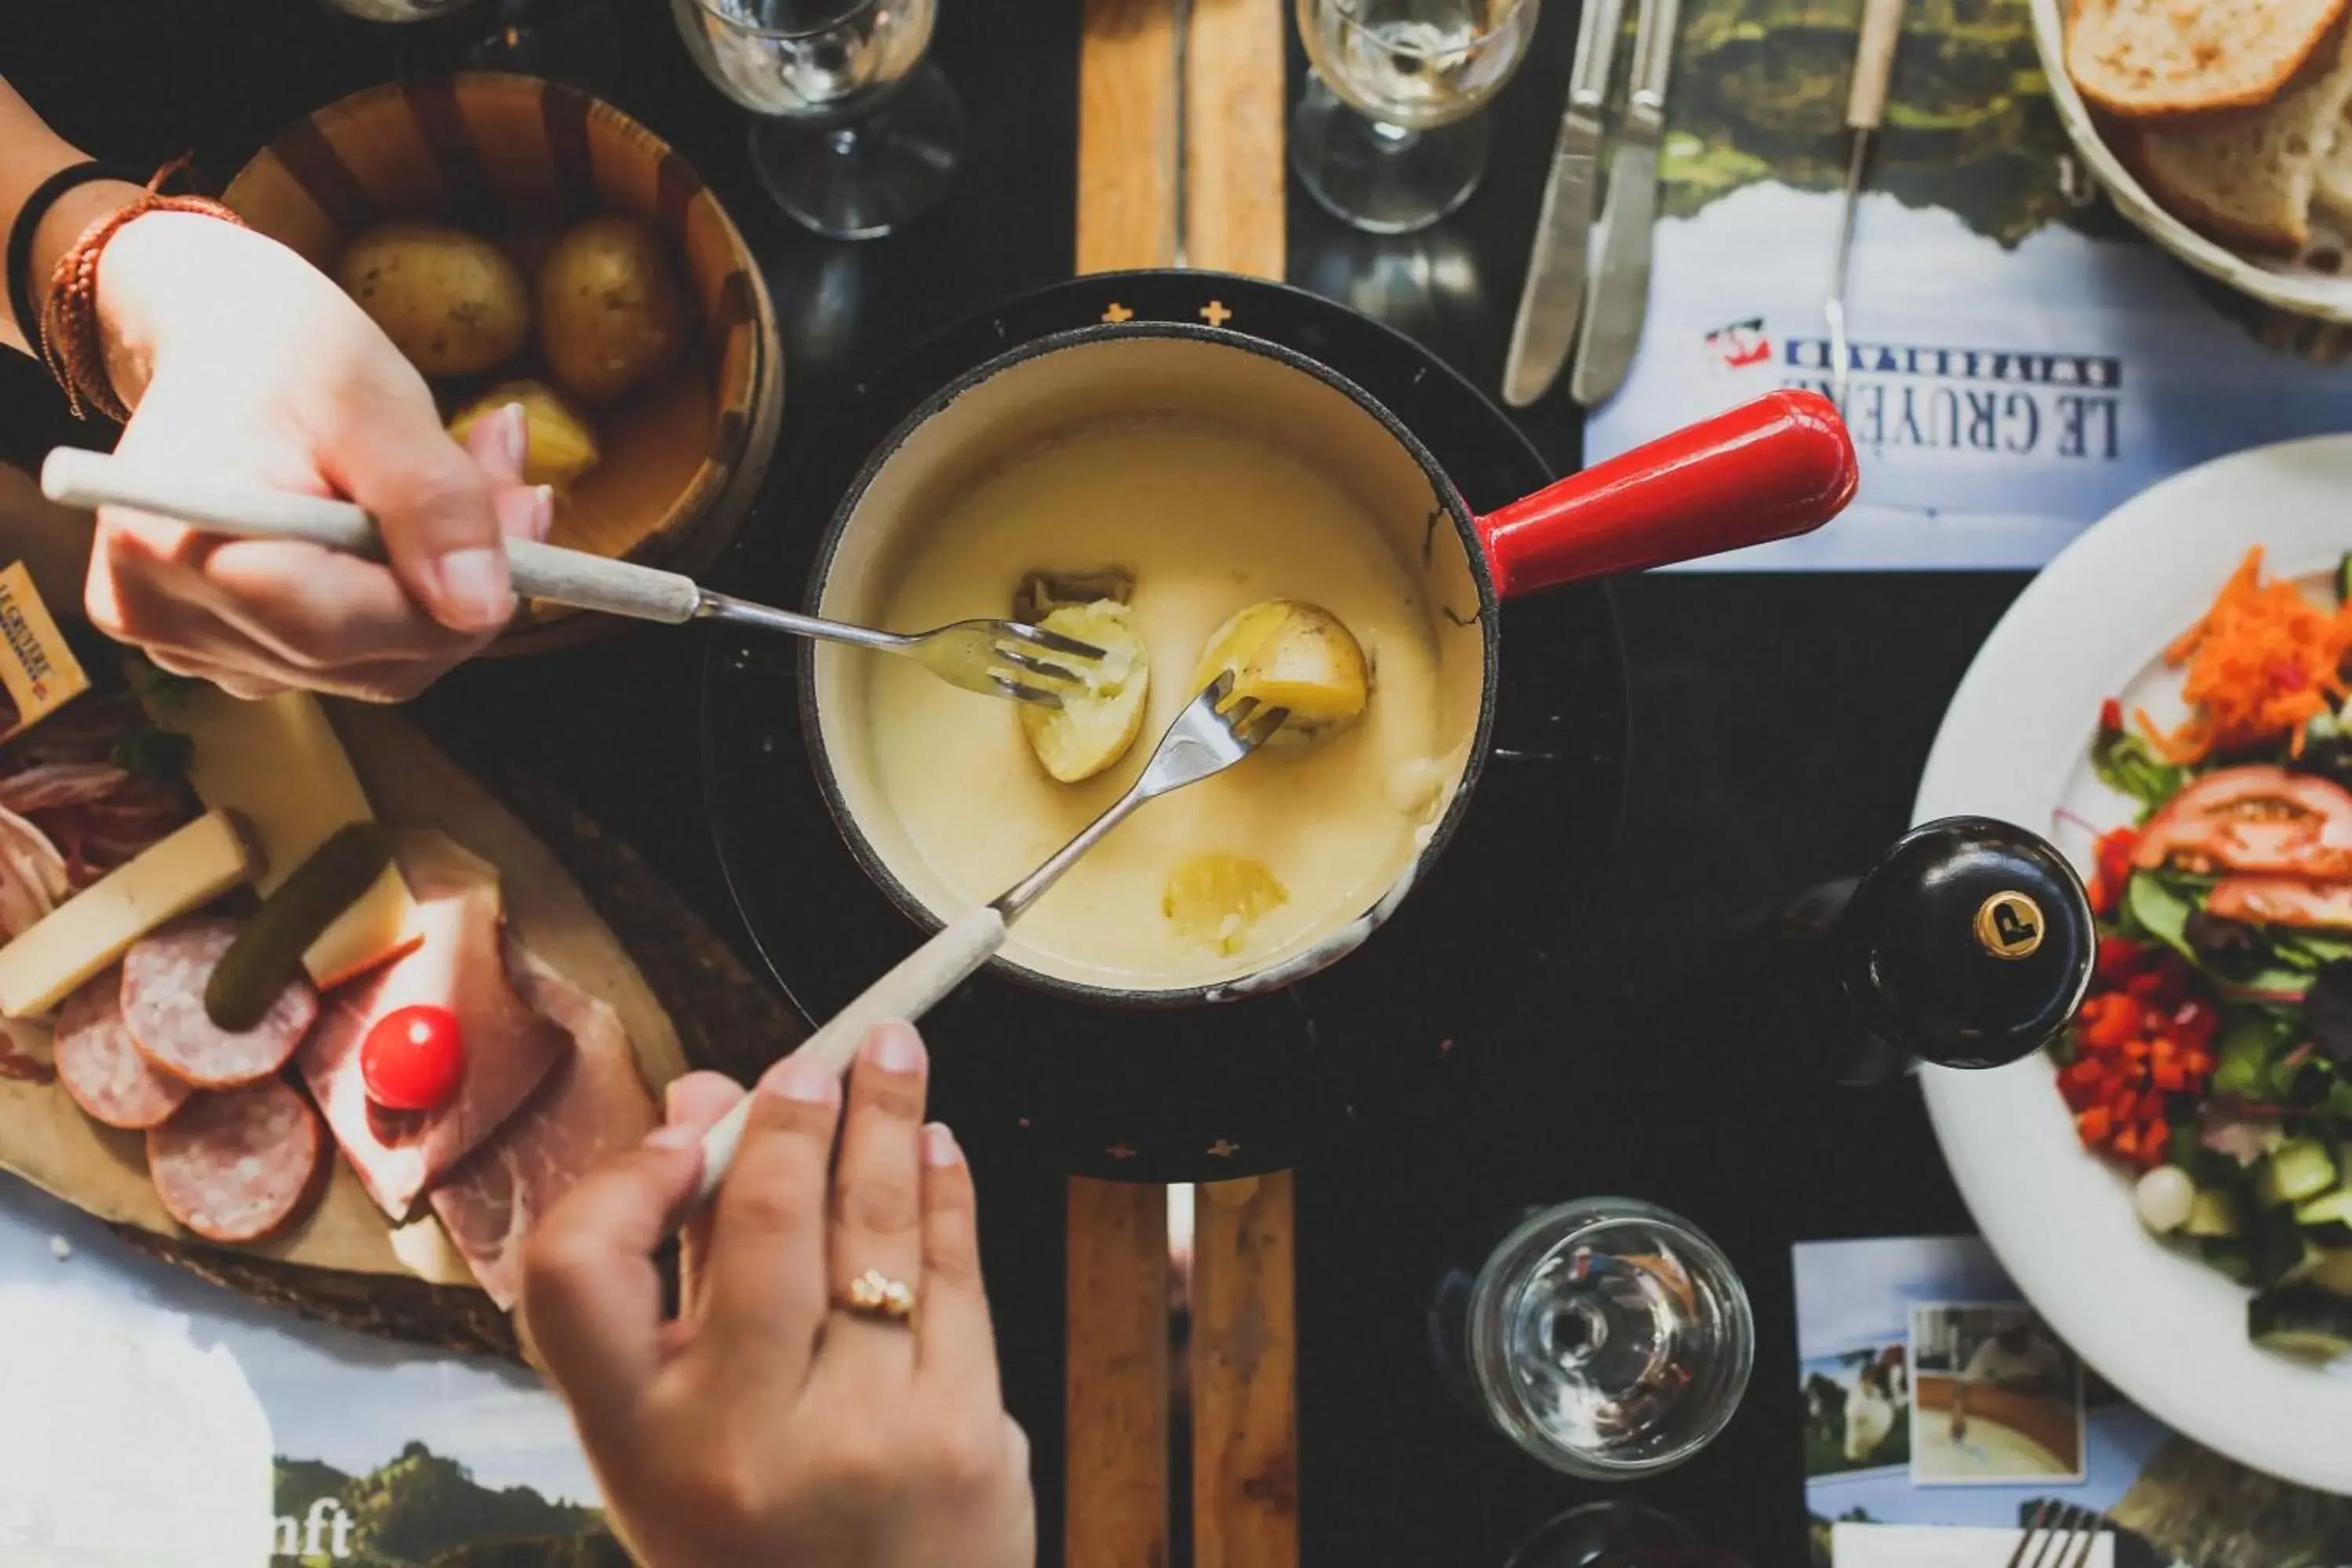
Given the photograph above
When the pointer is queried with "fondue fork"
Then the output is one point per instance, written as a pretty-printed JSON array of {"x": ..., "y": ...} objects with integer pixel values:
[
  {"x": 1207, "y": 738},
  {"x": 994, "y": 657}
]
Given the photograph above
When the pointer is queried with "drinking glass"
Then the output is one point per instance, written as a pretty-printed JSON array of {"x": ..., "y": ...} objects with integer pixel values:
[
  {"x": 1606, "y": 1337},
  {"x": 1388, "y": 135},
  {"x": 857, "y": 135},
  {"x": 1617, "y": 1535}
]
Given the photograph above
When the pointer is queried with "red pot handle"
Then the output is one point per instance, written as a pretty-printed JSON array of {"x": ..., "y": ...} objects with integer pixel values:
[{"x": 1781, "y": 466}]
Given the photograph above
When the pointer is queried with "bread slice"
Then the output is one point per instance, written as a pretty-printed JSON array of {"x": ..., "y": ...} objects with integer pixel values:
[
  {"x": 2334, "y": 191},
  {"x": 2142, "y": 59},
  {"x": 2250, "y": 176}
]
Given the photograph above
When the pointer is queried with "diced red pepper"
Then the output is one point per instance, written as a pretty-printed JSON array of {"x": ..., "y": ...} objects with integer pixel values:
[
  {"x": 2111, "y": 714},
  {"x": 2095, "y": 1126}
]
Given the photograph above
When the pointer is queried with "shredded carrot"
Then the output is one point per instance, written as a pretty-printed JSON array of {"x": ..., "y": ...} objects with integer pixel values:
[{"x": 2262, "y": 663}]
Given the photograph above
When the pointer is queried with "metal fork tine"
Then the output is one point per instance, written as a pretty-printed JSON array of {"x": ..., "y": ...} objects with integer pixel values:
[
  {"x": 1020, "y": 693},
  {"x": 1053, "y": 642},
  {"x": 1039, "y": 666},
  {"x": 1235, "y": 715},
  {"x": 1262, "y": 727},
  {"x": 2092, "y": 1526},
  {"x": 2033, "y": 1527}
]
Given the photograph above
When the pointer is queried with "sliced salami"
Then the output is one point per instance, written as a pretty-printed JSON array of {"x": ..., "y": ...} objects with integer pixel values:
[
  {"x": 102, "y": 1069},
  {"x": 163, "y": 980},
  {"x": 236, "y": 1165}
]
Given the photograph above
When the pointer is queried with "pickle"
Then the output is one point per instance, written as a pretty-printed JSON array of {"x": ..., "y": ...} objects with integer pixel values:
[
  {"x": 1043, "y": 592},
  {"x": 267, "y": 956}
]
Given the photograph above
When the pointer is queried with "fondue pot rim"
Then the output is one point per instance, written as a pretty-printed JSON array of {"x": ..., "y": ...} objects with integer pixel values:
[{"x": 1449, "y": 501}]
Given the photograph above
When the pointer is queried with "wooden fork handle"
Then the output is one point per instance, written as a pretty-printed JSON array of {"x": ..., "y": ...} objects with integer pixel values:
[
  {"x": 920, "y": 982},
  {"x": 72, "y": 476}
]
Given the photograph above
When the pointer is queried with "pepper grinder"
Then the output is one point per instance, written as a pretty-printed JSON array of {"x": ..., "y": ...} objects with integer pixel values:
[{"x": 1970, "y": 944}]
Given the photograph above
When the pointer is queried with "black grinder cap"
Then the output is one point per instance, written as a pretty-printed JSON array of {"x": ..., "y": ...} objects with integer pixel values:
[{"x": 1970, "y": 945}]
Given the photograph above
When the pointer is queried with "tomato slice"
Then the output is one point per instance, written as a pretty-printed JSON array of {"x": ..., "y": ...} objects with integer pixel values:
[
  {"x": 412, "y": 1059},
  {"x": 2282, "y": 901},
  {"x": 2255, "y": 819}
]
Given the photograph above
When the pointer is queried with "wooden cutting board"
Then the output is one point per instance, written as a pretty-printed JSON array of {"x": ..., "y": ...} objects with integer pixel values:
[{"x": 345, "y": 1262}]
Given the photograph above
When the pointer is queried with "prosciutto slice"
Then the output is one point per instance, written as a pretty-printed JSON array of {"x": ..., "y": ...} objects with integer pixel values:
[
  {"x": 593, "y": 1105},
  {"x": 33, "y": 877},
  {"x": 460, "y": 964}
]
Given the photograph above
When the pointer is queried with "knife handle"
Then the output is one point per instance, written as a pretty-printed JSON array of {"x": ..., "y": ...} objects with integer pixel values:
[
  {"x": 1654, "y": 26},
  {"x": 1596, "y": 52},
  {"x": 1873, "y": 63}
]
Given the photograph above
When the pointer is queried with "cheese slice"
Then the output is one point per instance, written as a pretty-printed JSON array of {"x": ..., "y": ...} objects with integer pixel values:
[
  {"x": 278, "y": 765},
  {"x": 73, "y": 942}
]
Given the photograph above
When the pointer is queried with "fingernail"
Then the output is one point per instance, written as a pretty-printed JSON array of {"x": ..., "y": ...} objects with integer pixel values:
[
  {"x": 474, "y": 583},
  {"x": 804, "y": 1078},
  {"x": 672, "y": 1138},
  {"x": 514, "y": 435},
  {"x": 939, "y": 1146},
  {"x": 542, "y": 512},
  {"x": 894, "y": 1047}
]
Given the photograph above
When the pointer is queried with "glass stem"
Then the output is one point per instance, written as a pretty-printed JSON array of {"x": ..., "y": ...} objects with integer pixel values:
[
  {"x": 842, "y": 141},
  {"x": 1393, "y": 139}
]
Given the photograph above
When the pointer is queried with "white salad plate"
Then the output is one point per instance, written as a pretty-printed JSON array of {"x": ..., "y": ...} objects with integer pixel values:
[{"x": 2167, "y": 1331}]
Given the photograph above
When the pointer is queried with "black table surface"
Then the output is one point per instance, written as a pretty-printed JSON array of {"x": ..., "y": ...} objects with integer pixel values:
[{"x": 1778, "y": 726}]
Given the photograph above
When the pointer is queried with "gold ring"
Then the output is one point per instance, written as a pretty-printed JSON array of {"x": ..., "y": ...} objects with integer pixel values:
[{"x": 874, "y": 1295}]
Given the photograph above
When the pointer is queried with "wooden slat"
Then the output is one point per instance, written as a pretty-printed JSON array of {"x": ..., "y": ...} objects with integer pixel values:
[
  {"x": 1126, "y": 136},
  {"x": 1245, "y": 1314},
  {"x": 1234, "y": 119},
  {"x": 1115, "y": 1390},
  {"x": 1244, "y": 1372}
]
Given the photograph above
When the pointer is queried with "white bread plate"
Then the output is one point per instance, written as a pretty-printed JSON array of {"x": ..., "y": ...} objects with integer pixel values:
[{"x": 2284, "y": 284}]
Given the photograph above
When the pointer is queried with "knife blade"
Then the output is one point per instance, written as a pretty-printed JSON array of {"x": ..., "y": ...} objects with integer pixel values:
[
  {"x": 1619, "y": 293},
  {"x": 1553, "y": 296},
  {"x": 1865, "y": 105}
]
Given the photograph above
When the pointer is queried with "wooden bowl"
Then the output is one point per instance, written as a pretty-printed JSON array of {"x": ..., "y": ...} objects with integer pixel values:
[{"x": 518, "y": 160}]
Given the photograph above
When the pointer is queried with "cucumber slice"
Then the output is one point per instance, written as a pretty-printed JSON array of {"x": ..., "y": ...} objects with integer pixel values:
[
  {"x": 2302, "y": 1168},
  {"x": 2333, "y": 1274},
  {"x": 2303, "y": 1320},
  {"x": 2224, "y": 1254},
  {"x": 2276, "y": 1249},
  {"x": 267, "y": 956},
  {"x": 2213, "y": 1213},
  {"x": 2329, "y": 1218}
]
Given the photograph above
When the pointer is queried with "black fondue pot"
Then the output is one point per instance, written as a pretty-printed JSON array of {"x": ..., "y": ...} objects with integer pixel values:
[{"x": 1171, "y": 1090}]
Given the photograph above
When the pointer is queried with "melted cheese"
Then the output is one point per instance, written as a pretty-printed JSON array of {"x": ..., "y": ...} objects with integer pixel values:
[{"x": 1209, "y": 521}]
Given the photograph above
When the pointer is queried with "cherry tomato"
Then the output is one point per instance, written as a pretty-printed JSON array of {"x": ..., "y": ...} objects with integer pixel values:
[{"x": 414, "y": 1059}]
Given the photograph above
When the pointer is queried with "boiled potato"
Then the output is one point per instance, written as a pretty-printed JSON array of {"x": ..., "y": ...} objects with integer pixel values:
[
  {"x": 1289, "y": 654},
  {"x": 563, "y": 445},
  {"x": 1097, "y": 722},
  {"x": 609, "y": 311},
  {"x": 450, "y": 302},
  {"x": 1213, "y": 899}
]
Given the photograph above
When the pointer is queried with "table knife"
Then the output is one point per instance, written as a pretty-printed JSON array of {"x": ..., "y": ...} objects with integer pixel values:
[
  {"x": 1619, "y": 294},
  {"x": 1553, "y": 296},
  {"x": 1865, "y": 105}
]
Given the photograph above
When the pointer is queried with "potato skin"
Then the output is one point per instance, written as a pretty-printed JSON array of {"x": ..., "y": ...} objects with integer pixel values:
[
  {"x": 451, "y": 302},
  {"x": 609, "y": 309}
]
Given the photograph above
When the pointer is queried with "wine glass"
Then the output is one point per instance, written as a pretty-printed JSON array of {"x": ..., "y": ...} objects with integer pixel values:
[
  {"x": 1616, "y": 1535},
  {"x": 1388, "y": 135},
  {"x": 1607, "y": 1338},
  {"x": 856, "y": 134}
]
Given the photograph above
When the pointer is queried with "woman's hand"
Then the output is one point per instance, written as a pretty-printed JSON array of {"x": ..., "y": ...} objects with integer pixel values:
[
  {"x": 765, "y": 1423},
  {"x": 240, "y": 360}
]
